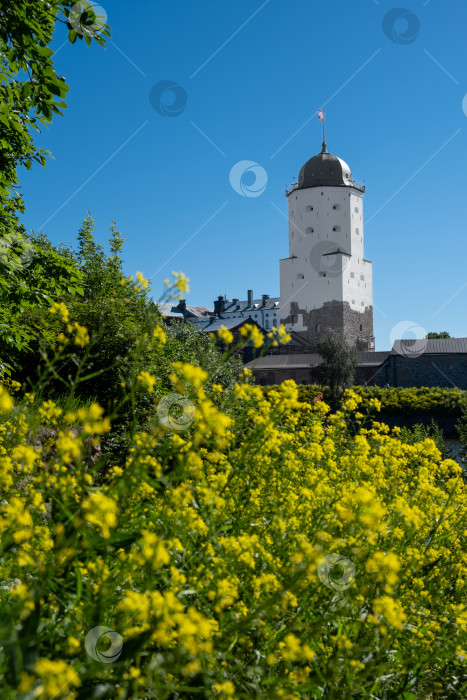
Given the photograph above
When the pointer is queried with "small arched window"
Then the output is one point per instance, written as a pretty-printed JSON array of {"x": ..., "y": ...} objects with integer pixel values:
[{"x": 356, "y": 210}]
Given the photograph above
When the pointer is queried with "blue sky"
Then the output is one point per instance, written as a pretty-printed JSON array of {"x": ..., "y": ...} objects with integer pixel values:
[{"x": 254, "y": 73}]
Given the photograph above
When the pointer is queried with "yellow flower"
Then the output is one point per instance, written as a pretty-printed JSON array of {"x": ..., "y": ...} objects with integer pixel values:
[
  {"x": 153, "y": 550},
  {"x": 61, "y": 309},
  {"x": 252, "y": 334},
  {"x": 142, "y": 281},
  {"x": 391, "y": 610},
  {"x": 81, "y": 334},
  {"x": 100, "y": 510},
  {"x": 279, "y": 336},
  {"x": 147, "y": 380},
  {"x": 385, "y": 565},
  {"x": 57, "y": 678},
  {"x": 226, "y": 688},
  {"x": 159, "y": 335},
  {"x": 68, "y": 446},
  {"x": 225, "y": 335},
  {"x": 181, "y": 282},
  {"x": 6, "y": 402}
]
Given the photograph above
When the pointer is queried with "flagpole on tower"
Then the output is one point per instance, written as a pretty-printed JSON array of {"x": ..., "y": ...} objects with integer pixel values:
[{"x": 321, "y": 118}]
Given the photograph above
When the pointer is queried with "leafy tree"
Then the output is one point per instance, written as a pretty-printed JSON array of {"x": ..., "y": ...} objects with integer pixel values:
[
  {"x": 31, "y": 93},
  {"x": 118, "y": 314},
  {"x": 340, "y": 362},
  {"x": 443, "y": 334},
  {"x": 29, "y": 282}
]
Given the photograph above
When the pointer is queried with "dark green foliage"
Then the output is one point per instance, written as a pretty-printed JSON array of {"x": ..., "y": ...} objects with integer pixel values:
[
  {"x": 341, "y": 360},
  {"x": 31, "y": 93},
  {"x": 30, "y": 279},
  {"x": 120, "y": 317},
  {"x": 443, "y": 334},
  {"x": 185, "y": 344}
]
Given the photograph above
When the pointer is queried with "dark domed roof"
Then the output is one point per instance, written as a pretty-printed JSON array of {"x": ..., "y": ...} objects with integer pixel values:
[{"x": 325, "y": 170}]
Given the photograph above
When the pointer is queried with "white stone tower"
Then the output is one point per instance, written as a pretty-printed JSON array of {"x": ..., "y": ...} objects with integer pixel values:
[{"x": 326, "y": 283}]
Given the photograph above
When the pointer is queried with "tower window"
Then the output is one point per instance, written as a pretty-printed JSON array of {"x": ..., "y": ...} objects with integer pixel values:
[
  {"x": 357, "y": 231},
  {"x": 362, "y": 277},
  {"x": 361, "y": 327},
  {"x": 336, "y": 228},
  {"x": 310, "y": 230},
  {"x": 309, "y": 208},
  {"x": 300, "y": 276},
  {"x": 352, "y": 274},
  {"x": 318, "y": 328},
  {"x": 356, "y": 210},
  {"x": 336, "y": 206}
]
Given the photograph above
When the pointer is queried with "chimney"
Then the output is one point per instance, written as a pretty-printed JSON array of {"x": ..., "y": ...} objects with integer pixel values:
[
  {"x": 265, "y": 299},
  {"x": 250, "y": 297},
  {"x": 182, "y": 305},
  {"x": 219, "y": 305}
]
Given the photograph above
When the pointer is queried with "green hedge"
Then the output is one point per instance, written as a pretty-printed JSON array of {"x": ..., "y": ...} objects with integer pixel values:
[{"x": 407, "y": 402}]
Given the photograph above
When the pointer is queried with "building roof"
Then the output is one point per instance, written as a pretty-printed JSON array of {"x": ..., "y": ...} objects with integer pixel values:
[
  {"x": 171, "y": 310},
  {"x": 325, "y": 170},
  {"x": 299, "y": 361},
  {"x": 168, "y": 310},
  {"x": 373, "y": 359},
  {"x": 429, "y": 346},
  {"x": 200, "y": 311},
  {"x": 213, "y": 324},
  {"x": 239, "y": 306}
]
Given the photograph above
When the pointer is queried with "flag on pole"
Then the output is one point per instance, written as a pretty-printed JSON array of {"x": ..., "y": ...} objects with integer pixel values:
[{"x": 321, "y": 115}]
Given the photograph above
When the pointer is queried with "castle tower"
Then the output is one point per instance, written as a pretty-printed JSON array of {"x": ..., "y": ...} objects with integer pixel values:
[{"x": 326, "y": 283}]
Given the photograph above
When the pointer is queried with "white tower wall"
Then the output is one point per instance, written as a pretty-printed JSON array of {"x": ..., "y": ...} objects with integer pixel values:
[{"x": 326, "y": 263}]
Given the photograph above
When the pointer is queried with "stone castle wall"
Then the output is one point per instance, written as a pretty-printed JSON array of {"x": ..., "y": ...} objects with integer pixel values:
[{"x": 337, "y": 316}]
